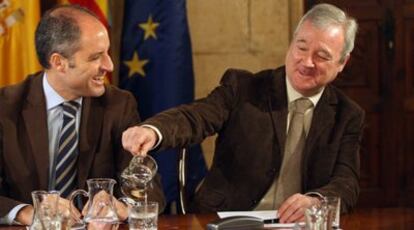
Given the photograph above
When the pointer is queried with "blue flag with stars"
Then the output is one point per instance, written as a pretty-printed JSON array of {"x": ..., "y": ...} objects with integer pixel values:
[{"x": 156, "y": 65}]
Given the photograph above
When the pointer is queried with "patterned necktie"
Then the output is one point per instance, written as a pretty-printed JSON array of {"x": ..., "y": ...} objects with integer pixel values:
[
  {"x": 290, "y": 178},
  {"x": 67, "y": 151}
]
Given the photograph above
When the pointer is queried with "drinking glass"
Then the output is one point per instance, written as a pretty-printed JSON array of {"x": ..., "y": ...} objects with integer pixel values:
[
  {"x": 333, "y": 204},
  {"x": 143, "y": 216},
  {"x": 135, "y": 178},
  {"x": 316, "y": 217}
]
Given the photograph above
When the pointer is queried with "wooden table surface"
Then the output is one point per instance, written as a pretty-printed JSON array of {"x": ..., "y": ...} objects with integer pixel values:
[{"x": 366, "y": 219}]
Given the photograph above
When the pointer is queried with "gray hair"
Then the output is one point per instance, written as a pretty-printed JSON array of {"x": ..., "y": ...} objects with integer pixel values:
[{"x": 324, "y": 15}]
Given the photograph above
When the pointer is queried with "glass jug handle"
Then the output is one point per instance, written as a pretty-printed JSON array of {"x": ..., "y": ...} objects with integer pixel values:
[{"x": 78, "y": 223}]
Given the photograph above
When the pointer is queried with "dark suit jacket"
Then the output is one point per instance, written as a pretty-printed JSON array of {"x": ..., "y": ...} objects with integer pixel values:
[
  {"x": 249, "y": 113},
  {"x": 24, "y": 151}
]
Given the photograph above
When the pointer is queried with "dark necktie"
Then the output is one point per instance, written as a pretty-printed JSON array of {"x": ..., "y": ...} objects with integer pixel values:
[{"x": 68, "y": 151}]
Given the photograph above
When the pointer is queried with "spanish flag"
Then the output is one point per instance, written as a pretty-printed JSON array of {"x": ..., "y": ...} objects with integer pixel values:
[
  {"x": 18, "y": 21},
  {"x": 99, "y": 7}
]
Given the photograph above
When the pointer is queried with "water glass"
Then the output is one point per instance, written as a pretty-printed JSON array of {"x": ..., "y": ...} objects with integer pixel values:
[
  {"x": 143, "y": 216},
  {"x": 333, "y": 204},
  {"x": 316, "y": 217}
]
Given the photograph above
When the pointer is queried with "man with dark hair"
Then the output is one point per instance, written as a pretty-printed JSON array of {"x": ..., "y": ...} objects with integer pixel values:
[
  {"x": 286, "y": 137},
  {"x": 62, "y": 126}
]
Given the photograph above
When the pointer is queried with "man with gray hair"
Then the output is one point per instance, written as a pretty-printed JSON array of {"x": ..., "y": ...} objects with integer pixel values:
[{"x": 286, "y": 137}]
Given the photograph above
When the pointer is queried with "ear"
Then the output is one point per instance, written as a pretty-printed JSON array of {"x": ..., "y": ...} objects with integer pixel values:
[
  {"x": 58, "y": 62},
  {"x": 342, "y": 66}
]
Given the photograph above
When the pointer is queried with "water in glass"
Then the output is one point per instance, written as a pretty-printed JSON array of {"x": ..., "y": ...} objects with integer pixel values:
[
  {"x": 135, "y": 178},
  {"x": 333, "y": 204},
  {"x": 315, "y": 217},
  {"x": 46, "y": 211},
  {"x": 143, "y": 216},
  {"x": 143, "y": 221},
  {"x": 103, "y": 224}
]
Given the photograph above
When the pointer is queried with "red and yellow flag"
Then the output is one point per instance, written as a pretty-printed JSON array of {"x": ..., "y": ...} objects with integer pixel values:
[
  {"x": 99, "y": 7},
  {"x": 18, "y": 21}
]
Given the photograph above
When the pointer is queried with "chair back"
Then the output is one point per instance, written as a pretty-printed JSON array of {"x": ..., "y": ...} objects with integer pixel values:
[{"x": 182, "y": 180}]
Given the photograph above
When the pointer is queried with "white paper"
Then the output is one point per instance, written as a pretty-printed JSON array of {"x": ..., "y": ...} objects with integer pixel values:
[{"x": 264, "y": 215}]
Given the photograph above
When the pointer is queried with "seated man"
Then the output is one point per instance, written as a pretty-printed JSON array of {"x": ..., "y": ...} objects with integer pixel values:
[
  {"x": 285, "y": 136},
  {"x": 62, "y": 126}
]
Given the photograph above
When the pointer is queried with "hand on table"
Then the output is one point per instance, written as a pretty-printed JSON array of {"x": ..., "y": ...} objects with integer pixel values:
[
  {"x": 293, "y": 209},
  {"x": 25, "y": 215},
  {"x": 68, "y": 210},
  {"x": 100, "y": 206}
]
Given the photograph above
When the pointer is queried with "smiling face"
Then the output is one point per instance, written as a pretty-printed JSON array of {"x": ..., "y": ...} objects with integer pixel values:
[
  {"x": 82, "y": 74},
  {"x": 313, "y": 58}
]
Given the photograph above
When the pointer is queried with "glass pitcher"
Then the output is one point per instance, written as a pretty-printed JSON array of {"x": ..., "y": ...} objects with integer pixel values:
[
  {"x": 46, "y": 214},
  {"x": 136, "y": 177},
  {"x": 100, "y": 208}
]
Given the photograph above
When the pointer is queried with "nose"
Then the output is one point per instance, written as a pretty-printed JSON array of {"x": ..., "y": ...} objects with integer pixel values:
[
  {"x": 107, "y": 63},
  {"x": 308, "y": 61}
]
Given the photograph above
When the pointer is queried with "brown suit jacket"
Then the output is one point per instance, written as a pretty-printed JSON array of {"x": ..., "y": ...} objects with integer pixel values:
[
  {"x": 249, "y": 113},
  {"x": 24, "y": 151}
]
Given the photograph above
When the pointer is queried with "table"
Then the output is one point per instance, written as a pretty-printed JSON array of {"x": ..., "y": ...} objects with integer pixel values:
[
  {"x": 379, "y": 218},
  {"x": 366, "y": 219}
]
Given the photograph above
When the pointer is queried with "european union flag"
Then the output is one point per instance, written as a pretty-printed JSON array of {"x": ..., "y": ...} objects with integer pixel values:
[{"x": 156, "y": 65}]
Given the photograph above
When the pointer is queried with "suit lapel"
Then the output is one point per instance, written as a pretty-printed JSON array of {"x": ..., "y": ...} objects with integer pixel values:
[
  {"x": 35, "y": 119},
  {"x": 277, "y": 100},
  {"x": 323, "y": 118},
  {"x": 89, "y": 133}
]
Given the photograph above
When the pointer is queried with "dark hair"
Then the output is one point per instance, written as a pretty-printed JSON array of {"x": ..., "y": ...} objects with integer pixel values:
[{"x": 58, "y": 32}]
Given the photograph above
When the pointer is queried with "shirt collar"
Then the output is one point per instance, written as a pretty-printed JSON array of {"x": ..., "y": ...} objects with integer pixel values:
[
  {"x": 293, "y": 94},
  {"x": 53, "y": 99}
]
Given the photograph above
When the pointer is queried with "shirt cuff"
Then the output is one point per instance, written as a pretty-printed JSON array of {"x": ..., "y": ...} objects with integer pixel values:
[
  {"x": 157, "y": 131},
  {"x": 11, "y": 216}
]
